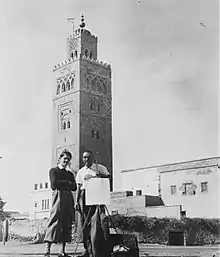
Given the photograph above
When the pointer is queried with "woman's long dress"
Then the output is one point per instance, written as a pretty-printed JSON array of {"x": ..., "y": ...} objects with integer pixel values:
[{"x": 62, "y": 210}]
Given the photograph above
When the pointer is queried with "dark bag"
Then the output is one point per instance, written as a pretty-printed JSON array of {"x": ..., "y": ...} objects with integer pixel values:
[{"x": 128, "y": 241}]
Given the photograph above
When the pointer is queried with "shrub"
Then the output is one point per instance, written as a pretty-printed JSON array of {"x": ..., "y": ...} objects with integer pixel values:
[{"x": 153, "y": 230}]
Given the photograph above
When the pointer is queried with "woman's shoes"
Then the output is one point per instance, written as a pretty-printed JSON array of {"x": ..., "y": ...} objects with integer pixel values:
[
  {"x": 47, "y": 255},
  {"x": 63, "y": 255}
]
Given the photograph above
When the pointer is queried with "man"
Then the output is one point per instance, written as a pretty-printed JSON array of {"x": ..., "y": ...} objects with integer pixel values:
[
  {"x": 61, "y": 217},
  {"x": 90, "y": 170}
]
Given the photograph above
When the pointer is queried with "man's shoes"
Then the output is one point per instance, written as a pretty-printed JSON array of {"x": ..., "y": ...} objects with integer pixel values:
[
  {"x": 63, "y": 255},
  {"x": 47, "y": 255}
]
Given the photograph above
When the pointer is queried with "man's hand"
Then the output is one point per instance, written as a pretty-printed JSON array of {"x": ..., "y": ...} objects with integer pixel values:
[{"x": 88, "y": 176}]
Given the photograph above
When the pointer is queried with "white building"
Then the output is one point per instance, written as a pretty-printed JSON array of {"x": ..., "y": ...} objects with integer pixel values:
[
  {"x": 194, "y": 185},
  {"x": 41, "y": 201}
]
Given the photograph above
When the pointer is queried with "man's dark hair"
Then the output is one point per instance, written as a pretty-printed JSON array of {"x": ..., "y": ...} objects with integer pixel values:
[
  {"x": 88, "y": 151},
  {"x": 67, "y": 153}
]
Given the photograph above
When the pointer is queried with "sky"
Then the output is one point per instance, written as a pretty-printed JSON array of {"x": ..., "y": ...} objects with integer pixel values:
[{"x": 164, "y": 57}]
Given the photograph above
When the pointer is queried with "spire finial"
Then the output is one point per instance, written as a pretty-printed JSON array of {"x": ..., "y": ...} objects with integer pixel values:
[{"x": 82, "y": 25}]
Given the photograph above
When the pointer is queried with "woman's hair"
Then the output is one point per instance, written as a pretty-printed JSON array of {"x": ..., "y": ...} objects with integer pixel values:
[{"x": 67, "y": 153}]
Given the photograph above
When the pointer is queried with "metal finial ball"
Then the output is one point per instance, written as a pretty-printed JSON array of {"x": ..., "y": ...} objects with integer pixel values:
[{"x": 82, "y": 25}]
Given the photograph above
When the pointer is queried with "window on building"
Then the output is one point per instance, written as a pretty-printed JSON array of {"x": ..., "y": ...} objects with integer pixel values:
[
  {"x": 68, "y": 124},
  {"x": 42, "y": 205},
  {"x": 92, "y": 105},
  {"x": 173, "y": 189},
  {"x": 63, "y": 87},
  {"x": 68, "y": 85},
  {"x": 35, "y": 186},
  {"x": 86, "y": 53},
  {"x": 90, "y": 55},
  {"x": 64, "y": 125},
  {"x": 71, "y": 55},
  {"x": 93, "y": 84},
  {"x": 46, "y": 185},
  {"x": 188, "y": 189},
  {"x": 138, "y": 192},
  {"x": 58, "y": 89},
  {"x": 48, "y": 204},
  {"x": 99, "y": 107},
  {"x": 41, "y": 185},
  {"x": 72, "y": 82},
  {"x": 204, "y": 187},
  {"x": 104, "y": 89},
  {"x": 95, "y": 134},
  {"x": 183, "y": 214},
  {"x": 99, "y": 87},
  {"x": 76, "y": 54},
  {"x": 35, "y": 204}
]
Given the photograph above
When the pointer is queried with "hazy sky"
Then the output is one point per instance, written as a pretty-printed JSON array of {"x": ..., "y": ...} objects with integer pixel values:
[{"x": 165, "y": 93}]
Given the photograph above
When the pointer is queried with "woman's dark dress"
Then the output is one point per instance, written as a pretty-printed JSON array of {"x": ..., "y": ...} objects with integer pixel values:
[{"x": 62, "y": 210}]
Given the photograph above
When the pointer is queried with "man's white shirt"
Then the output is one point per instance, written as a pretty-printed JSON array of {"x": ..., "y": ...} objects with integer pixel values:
[{"x": 80, "y": 177}]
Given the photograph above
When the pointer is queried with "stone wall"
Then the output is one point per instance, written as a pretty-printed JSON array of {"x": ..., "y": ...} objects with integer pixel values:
[{"x": 19, "y": 230}]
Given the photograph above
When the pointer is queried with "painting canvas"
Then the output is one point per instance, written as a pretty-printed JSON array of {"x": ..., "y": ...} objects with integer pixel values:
[{"x": 98, "y": 191}]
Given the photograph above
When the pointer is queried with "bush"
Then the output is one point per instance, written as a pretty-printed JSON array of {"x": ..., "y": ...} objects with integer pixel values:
[{"x": 153, "y": 230}]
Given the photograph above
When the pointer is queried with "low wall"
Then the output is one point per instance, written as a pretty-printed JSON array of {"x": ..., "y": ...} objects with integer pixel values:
[
  {"x": 173, "y": 211},
  {"x": 139, "y": 205},
  {"x": 26, "y": 229}
]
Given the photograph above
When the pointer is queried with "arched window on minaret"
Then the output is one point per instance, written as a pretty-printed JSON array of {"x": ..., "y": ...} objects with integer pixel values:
[
  {"x": 76, "y": 54},
  {"x": 72, "y": 83},
  {"x": 68, "y": 124},
  {"x": 104, "y": 89},
  {"x": 58, "y": 89},
  {"x": 63, "y": 88},
  {"x": 71, "y": 55},
  {"x": 87, "y": 82},
  {"x": 99, "y": 107},
  {"x": 92, "y": 105},
  {"x": 94, "y": 85},
  {"x": 64, "y": 125},
  {"x": 67, "y": 85},
  {"x": 86, "y": 53},
  {"x": 99, "y": 86},
  {"x": 90, "y": 55}
]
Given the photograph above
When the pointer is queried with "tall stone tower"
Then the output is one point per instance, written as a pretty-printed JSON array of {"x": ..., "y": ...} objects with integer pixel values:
[{"x": 82, "y": 114}]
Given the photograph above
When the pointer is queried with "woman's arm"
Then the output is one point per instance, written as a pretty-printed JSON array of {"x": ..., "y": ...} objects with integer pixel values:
[
  {"x": 72, "y": 183},
  {"x": 54, "y": 181}
]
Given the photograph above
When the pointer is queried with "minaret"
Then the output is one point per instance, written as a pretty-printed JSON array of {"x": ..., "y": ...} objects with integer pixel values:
[{"x": 82, "y": 113}]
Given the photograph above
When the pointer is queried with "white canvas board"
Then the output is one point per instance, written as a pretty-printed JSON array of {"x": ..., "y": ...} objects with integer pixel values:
[{"x": 98, "y": 191}]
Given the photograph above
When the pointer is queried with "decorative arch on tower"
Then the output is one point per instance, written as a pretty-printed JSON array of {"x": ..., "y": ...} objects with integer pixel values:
[
  {"x": 99, "y": 107},
  {"x": 93, "y": 84},
  {"x": 58, "y": 89},
  {"x": 68, "y": 85},
  {"x": 86, "y": 52},
  {"x": 92, "y": 105},
  {"x": 72, "y": 82},
  {"x": 63, "y": 87}
]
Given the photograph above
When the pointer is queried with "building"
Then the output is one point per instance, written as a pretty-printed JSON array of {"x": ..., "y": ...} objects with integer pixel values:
[
  {"x": 41, "y": 201},
  {"x": 82, "y": 110},
  {"x": 193, "y": 185},
  {"x": 82, "y": 114}
]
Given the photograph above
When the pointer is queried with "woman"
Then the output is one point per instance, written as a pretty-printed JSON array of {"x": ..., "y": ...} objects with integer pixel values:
[{"x": 61, "y": 217}]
